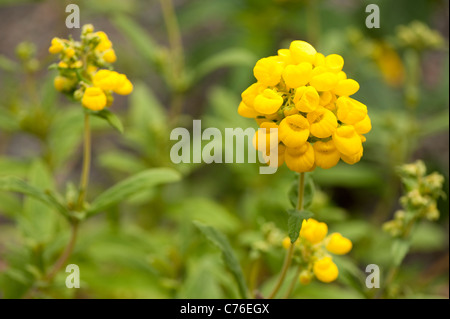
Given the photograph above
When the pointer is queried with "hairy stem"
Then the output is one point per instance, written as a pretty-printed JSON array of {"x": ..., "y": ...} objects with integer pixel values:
[
  {"x": 290, "y": 253},
  {"x": 86, "y": 163}
]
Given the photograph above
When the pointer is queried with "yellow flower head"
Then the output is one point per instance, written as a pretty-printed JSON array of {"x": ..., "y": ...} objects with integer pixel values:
[
  {"x": 313, "y": 231},
  {"x": 338, "y": 244},
  {"x": 308, "y": 95},
  {"x": 325, "y": 270},
  {"x": 79, "y": 67},
  {"x": 94, "y": 99}
]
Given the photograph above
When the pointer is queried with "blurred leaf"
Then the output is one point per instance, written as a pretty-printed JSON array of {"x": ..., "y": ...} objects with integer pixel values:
[
  {"x": 132, "y": 185},
  {"x": 14, "y": 184},
  {"x": 344, "y": 175},
  {"x": 227, "y": 58},
  {"x": 9, "y": 205},
  {"x": 66, "y": 133},
  {"x": 112, "y": 119},
  {"x": 37, "y": 218},
  {"x": 399, "y": 250},
  {"x": 8, "y": 64},
  {"x": 146, "y": 111},
  {"x": 428, "y": 236},
  {"x": 295, "y": 221},
  {"x": 436, "y": 124},
  {"x": 141, "y": 40},
  {"x": 206, "y": 211},
  {"x": 201, "y": 280},
  {"x": 121, "y": 162},
  {"x": 231, "y": 261},
  {"x": 17, "y": 167},
  {"x": 8, "y": 121}
]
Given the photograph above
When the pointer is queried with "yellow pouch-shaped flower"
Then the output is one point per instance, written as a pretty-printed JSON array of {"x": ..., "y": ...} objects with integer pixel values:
[
  {"x": 313, "y": 231},
  {"x": 364, "y": 126},
  {"x": 325, "y": 81},
  {"x": 94, "y": 99},
  {"x": 249, "y": 95},
  {"x": 346, "y": 87},
  {"x": 306, "y": 99},
  {"x": 338, "y": 244},
  {"x": 302, "y": 51},
  {"x": 268, "y": 102},
  {"x": 268, "y": 70},
  {"x": 326, "y": 155},
  {"x": 246, "y": 111},
  {"x": 294, "y": 130},
  {"x": 263, "y": 140},
  {"x": 322, "y": 122},
  {"x": 347, "y": 141},
  {"x": 297, "y": 75},
  {"x": 325, "y": 270},
  {"x": 350, "y": 111},
  {"x": 334, "y": 62},
  {"x": 300, "y": 159}
]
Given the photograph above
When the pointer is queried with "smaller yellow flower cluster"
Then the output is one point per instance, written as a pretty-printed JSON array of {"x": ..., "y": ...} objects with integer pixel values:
[
  {"x": 306, "y": 96},
  {"x": 80, "y": 73},
  {"x": 313, "y": 245}
]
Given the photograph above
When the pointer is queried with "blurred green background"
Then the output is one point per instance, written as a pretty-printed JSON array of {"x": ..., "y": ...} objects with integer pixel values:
[{"x": 148, "y": 247}]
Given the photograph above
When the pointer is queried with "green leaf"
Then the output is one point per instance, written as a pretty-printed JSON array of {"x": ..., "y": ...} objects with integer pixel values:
[
  {"x": 112, "y": 119},
  {"x": 399, "y": 250},
  {"x": 206, "y": 211},
  {"x": 295, "y": 221},
  {"x": 226, "y": 58},
  {"x": 308, "y": 194},
  {"x": 38, "y": 220},
  {"x": 437, "y": 123},
  {"x": 145, "y": 110},
  {"x": 141, "y": 40},
  {"x": 66, "y": 133},
  {"x": 231, "y": 261},
  {"x": 131, "y": 186},
  {"x": 8, "y": 64},
  {"x": 14, "y": 184},
  {"x": 8, "y": 121}
]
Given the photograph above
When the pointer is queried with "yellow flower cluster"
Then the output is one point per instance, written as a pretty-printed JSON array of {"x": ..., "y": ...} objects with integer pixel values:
[
  {"x": 80, "y": 69},
  {"x": 313, "y": 245},
  {"x": 306, "y": 96}
]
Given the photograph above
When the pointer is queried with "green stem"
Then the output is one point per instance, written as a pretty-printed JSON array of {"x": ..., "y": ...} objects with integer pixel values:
[
  {"x": 86, "y": 163},
  {"x": 173, "y": 31},
  {"x": 301, "y": 191},
  {"x": 293, "y": 283},
  {"x": 177, "y": 54},
  {"x": 65, "y": 255},
  {"x": 290, "y": 253}
]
